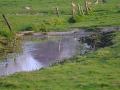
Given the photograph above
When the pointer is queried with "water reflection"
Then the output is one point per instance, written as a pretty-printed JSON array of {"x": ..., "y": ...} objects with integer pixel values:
[
  {"x": 51, "y": 51},
  {"x": 22, "y": 63},
  {"x": 38, "y": 54}
]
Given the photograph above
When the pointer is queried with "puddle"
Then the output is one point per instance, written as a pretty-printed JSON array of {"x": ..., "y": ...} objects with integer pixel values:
[
  {"x": 41, "y": 53},
  {"x": 37, "y": 54}
]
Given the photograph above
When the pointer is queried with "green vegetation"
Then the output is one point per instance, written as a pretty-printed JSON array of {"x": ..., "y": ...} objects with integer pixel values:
[
  {"x": 99, "y": 70},
  {"x": 42, "y": 15},
  {"x": 7, "y": 34},
  {"x": 9, "y": 46},
  {"x": 99, "y": 41}
]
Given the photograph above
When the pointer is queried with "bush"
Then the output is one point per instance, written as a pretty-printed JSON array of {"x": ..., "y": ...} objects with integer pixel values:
[{"x": 75, "y": 19}]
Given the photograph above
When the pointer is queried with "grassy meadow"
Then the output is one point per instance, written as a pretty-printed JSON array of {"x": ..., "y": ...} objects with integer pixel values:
[
  {"x": 42, "y": 15},
  {"x": 99, "y": 70}
]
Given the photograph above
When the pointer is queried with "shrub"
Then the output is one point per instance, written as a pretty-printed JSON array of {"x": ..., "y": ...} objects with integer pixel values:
[{"x": 75, "y": 19}]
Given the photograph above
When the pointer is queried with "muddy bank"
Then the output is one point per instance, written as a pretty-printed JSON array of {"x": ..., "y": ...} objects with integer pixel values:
[
  {"x": 101, "y": 40},
  {"x": 75, "y": 32}
]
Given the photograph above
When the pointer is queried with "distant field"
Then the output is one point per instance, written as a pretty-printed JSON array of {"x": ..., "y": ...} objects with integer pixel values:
[{"x": 42, "y": 14}]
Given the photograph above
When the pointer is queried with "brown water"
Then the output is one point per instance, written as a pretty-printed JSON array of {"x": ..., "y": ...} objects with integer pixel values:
[{"x": 38, "y": 54}]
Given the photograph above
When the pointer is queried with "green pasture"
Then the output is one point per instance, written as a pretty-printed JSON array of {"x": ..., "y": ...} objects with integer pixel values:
[{"x": 42, "y": 15}]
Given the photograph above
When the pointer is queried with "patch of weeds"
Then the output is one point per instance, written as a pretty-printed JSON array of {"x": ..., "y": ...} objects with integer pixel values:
[
  {"x": 92, "y": 13},
  {"x": 27, "y": 28},
  {"x": 25, "y": 85},
  {"x": 75, "y": 19},
  {"x": 45, "y": 25},
  {"x": 57, "y": 21},
  {"x": 8, "y": 34},
  {"x": 71, "y": 20},
  {"x": 102, "y": 40},
  {"x": 35, "y": 27},
  {"x": 8, "y": 85},
  {"x": 118, "y": 11}
]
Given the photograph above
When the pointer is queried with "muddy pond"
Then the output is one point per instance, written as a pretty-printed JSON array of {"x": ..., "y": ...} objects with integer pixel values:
[
  {"x": 39, "y": 53},
  {"x": 45, "y": 51}
]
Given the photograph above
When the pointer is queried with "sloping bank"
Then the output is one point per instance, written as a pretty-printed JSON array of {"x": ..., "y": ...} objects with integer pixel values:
[
  {"x": 98, "y": 70},
  {"x": 9, "y": 45}
]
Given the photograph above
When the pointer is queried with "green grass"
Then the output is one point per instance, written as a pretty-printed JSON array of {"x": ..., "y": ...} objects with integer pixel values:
[
  {"x": 99, "y": 70},
  {"x": 19, "y": 18}
]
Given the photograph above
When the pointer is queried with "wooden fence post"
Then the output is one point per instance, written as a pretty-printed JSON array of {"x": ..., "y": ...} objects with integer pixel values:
[
  {"x": 89, "y": 8},
  {"x": 80, "y": 9},
  {"x": 86, "y": 6},
  {"x": 96, "y": 2},
  {"x": 7, "y": 22},
  {"x": 73, "y": 13},
  {"x": 59, "y": 45},
  {"x": 57, "y": 11}
]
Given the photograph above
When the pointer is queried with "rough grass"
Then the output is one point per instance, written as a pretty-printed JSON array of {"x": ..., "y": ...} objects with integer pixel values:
[
  {"x": 40, "y": 11},
  {"x": 92, "y": 71}
]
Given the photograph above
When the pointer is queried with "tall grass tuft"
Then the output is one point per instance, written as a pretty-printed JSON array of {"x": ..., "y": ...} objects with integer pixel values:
[
  {"x": 44, "y": 25},
  {"x": 77, "y": 18},
  {"x": 7, "y": 34}
]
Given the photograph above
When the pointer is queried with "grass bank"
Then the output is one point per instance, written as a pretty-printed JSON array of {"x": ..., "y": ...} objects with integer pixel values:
[
  {"x": 9, "y": 44},
  {"x": 98, "y": 70}
]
